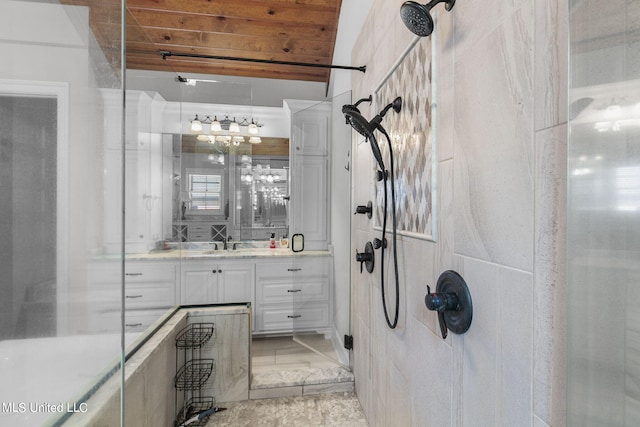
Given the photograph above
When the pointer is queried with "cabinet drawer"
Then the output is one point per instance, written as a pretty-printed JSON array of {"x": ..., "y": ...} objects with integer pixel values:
[
  {"x": 148, "y": 297},
  {"x": 138, "y": 273},
  {"x": 138, "y": 321},
  {"x": 284, "y": 292},
  {"x": 199, "y": 236},
  {"x": 135, "y": 272},
  {"x": 296, "y": 268},
  {"x": 135, "y": 321},
  {"x": 282, "y": 318},
  {"x": 199, "y": 228},
  {"x": 106, "y": 298}
]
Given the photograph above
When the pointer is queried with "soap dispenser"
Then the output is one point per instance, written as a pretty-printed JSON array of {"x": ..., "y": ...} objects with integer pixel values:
[{"x": 272, "y": 241}]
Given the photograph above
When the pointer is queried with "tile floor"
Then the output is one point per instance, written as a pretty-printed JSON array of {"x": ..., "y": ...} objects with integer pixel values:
[
  {"x": 281, "y": 368},
  {"x": 294, "y": 386},
  {"x": 333, "y": 409}
]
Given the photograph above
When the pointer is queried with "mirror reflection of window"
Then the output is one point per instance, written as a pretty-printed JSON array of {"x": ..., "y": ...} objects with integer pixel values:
[{"x": 206, "y": 192}]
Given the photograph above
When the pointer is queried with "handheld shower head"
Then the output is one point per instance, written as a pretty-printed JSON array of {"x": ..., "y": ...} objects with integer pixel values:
[
  {"x": 367, "y": 129},
  {"x": 417, "y": 18},
  {"x": 364, "y": 128}
]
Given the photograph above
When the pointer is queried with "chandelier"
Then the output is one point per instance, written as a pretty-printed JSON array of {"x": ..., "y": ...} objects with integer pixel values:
[{"x": 226, "y": 131}]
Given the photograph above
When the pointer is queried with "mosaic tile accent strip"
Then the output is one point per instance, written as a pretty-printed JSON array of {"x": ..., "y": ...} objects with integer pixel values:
[{"x": 413, "y": 143}]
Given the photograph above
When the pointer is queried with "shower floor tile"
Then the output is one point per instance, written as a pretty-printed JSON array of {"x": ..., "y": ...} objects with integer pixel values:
[
  {"x": 281, "y": 367},
  {"x": 331, "y": 410}
]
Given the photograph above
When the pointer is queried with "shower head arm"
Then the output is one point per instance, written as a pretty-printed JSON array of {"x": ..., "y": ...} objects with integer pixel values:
[
  {"x": 432, "y": 4},
  {"x": 360, "y": 101},
  {"x": 396, "y": 105}
]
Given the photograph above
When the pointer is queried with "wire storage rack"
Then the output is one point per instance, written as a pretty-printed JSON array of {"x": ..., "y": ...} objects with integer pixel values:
[{"x": 192, "y": 372}]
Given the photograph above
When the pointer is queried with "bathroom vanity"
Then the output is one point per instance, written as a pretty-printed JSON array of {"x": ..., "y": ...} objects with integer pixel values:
[{"x": 282, "y": 287}]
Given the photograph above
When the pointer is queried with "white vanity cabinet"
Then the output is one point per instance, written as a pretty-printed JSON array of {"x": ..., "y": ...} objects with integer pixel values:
[
  {"x": 210, "y": 282},
  {"x": 149, "y": 292},
  {"x": 289, "y": 290}
]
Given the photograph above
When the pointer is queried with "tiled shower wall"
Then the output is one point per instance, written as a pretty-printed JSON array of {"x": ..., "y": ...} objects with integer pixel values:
[{"x": 500, "y": 75}]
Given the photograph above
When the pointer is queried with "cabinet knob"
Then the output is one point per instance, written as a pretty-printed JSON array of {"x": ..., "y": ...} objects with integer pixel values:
[
  {"x": 214, "y": 271},
  {"x": 219, "y": 271}
]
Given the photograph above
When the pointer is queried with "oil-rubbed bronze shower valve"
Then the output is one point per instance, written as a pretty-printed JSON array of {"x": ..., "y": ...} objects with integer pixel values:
[
  {"x": 367, "y": 257},
  {"x": 452, "y": 302}
]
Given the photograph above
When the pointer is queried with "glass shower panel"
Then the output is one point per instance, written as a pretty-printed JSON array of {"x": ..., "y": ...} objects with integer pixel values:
[
  {"x": 60, "y": 121},
  {"x": 603, "y": 214},
  {"x": 321, "y": 212},
  {"x": 213, "y": 149}
]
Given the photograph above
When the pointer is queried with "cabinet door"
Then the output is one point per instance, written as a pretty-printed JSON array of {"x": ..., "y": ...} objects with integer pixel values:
[
  {"x": 310, "y": 201},
  {"x": 199, "y": 285},
  {"x": 311, "y": 131},
  {"x": 235, "y": 283}
]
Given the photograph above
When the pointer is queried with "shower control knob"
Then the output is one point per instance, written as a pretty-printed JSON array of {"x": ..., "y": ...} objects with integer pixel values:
[
  {"x": 452, "y": 302},
  {"x": 377, "y": 243},
  {"x": 366, "y": 258},
  {"x": 368, "y": 209},
  {"x": 380, "y": 175},
  {"x": 440, "y": 301}
]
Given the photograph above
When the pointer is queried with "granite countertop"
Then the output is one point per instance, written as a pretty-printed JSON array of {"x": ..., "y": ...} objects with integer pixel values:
[
  {"x": 207, "y": 250},
  {"x": 222, "y": 253}
]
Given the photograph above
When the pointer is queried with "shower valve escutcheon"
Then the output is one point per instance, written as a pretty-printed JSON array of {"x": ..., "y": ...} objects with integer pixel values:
[
  {"x": 452, "y": 302},
  {"x": 366, "y": 258}
]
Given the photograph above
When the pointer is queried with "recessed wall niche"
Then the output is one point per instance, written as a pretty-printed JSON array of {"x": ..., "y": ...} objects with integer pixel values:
[{"x": 413, "y": 140}]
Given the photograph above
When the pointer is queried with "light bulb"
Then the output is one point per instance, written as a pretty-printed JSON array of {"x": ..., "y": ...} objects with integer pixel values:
[
  {"x": 215, "y": 125},
  {"x": 196, "y": 125},
  {"x": 252, "y": 129},
  {"x": 234, "y": 127}
]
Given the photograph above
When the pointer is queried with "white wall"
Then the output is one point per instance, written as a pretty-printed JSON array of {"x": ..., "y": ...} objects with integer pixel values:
[
  {"x": 353, "y": 13},
  {"x": 501, "y": 133}
]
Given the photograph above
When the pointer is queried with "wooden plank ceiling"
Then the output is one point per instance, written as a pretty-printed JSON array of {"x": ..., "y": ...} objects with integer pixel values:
[
  {"x": 273, "y": 30},
  {"x": 282, "y": 30}
]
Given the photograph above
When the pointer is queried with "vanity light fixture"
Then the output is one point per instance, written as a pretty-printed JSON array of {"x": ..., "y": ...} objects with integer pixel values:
[
  {"x": 226, "y": 130},
  {"x": 234, "y": 127},
  {"x": 215, "y": 126},
  {"x": 196, "y": 125},
  {"x": 252, "y": 129}
]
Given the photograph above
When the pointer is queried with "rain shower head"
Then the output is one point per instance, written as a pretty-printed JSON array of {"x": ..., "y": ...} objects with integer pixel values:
[{"x": 417, "y": 17}]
